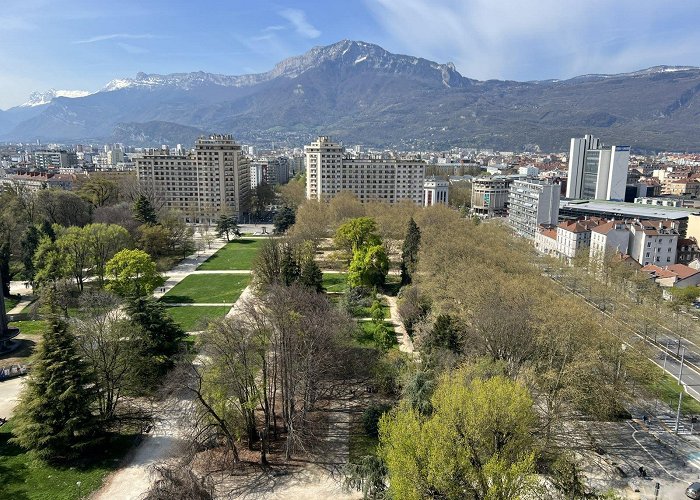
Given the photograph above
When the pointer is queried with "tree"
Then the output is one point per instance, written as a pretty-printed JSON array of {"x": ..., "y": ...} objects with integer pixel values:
[
  {"x": 293, "y": 193},
  {"x": 132, "y": 273},
  {"x": 28, "y": 246},
  {"x": 476, "y": 444},
  {"x": 369, "y": 267},
  {"x": 227, "y": 225},
  {"x": 409, "y": 252},
  {"x": 107, "y": 349},
  {"x": 445, "y": 334},
  {"x": 50, "y": 263},
  {"x": 99, "y": 191},
  {"x": 153, "y": 239},
  {"x": 263, "y": 196},
  {"x": 63, "y": 207},
  {"x": 54, "y": 417},
  {"x": 105, "y": 240},
  {"x": 357, "y": 233},
  {"x": 5, "y": 276},
  {"x": 74, "y": 243},
  {"x": 311, "y": 275},
  {"x": 283, "y": 220},
  {"x": 289, "y": 267},
  {"x": 144, "y": 211},
  {"x": 158, "y": 338}
]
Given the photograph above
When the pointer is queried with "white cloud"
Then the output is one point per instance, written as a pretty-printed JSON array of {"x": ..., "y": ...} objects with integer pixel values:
[
  {"x": 528, "y": 39},
  {"x": 116, "y": 36},
  {"x": 302, "y": 26}
]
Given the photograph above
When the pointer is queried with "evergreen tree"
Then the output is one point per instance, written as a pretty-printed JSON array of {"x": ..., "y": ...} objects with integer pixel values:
[
  {"x": 409, "y": 252},
  {"x": 144, "y": 211},
  {"x": 158, "y": 336},
  {"x": 311, "y": 275},
  {"x": 47, "y": 230},
  {"x": 28, "y": 245},
  {"x": 5, "y": 268},
  {"x": 284, "y": 219},
  {"x": 445, "y": 334},
  {"x": 227, "y": 225},
  {"x": 289, "y": 266},
  {"x": 54, "y": 417}
]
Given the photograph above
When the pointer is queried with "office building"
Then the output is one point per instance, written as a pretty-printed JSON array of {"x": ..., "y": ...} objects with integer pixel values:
[
  {"x": 45, "y": 160},
  {"x": 532, "y": 203},
  {"x": 330, "y": 171},
  {"x": 595, "y": 171},
  {"x": 435, "y": 191},
  {"x": 215, "y": 178},
  {"x": 490, "y": 196}
]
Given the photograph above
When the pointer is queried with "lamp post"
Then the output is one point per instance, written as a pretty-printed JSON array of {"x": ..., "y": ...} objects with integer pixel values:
[{"x": 680, "y": 372}]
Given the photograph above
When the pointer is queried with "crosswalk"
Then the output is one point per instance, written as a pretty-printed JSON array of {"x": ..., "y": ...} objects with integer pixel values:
[{"x": 668, "y": 423}]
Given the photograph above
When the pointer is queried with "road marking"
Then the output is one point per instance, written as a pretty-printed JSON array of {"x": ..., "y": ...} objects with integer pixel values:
[{"x": 649, "y": 453}]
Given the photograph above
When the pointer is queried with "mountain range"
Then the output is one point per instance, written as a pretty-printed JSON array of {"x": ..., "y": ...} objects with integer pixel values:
[{"x": 362, "y": 94}]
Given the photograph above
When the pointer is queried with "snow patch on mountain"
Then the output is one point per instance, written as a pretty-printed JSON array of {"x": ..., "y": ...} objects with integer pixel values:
[{"x": 40, "y": 98}]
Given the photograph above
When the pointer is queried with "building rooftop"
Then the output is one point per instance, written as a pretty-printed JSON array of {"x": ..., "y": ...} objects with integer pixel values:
[{"x": 629, "y": 210}]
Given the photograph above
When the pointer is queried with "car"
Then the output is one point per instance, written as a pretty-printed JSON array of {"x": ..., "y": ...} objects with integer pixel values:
[{"x": 693, "y": 491}]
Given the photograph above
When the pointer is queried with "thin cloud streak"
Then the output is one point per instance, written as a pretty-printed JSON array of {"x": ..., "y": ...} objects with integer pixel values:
[
  {"x": 301, "y": 25},
  {"x": 117, "y": 36}
]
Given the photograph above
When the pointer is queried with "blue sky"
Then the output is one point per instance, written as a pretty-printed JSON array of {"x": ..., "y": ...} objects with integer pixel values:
[{"x": 82, "y": 45}]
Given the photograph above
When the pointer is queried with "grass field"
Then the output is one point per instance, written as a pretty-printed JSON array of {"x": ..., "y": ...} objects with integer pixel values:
[
  {"x": 22, "y": 476},
  {"x": 31, "y": 327},
  {"x": 238, "y": 254},
  {"x": 11, "y": 302},
  {"x": 668, "y": 390},
  {"x": 195, "y": 318},
  {"x": 335, "y": 282},
  {"x": 207, "y": 288}
]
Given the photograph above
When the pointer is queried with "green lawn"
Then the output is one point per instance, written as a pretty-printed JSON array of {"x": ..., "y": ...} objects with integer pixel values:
[
  {"x": 11, "y": 302},
  {"x": 335, "y": 282},
  {"x": 22, "y": 476},
  {"x": 31, "y": 327},
  {"x": 667, "y": 390},
  {"x": 195, "y": 318},
  {"x": 207, "y": 288},
  {"x": 238, "y": 254}
]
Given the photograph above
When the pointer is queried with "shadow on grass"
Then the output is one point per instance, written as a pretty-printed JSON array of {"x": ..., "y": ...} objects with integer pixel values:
[
  {"x": 177, "y": 299},
  {"x": 24, "y": 350}
]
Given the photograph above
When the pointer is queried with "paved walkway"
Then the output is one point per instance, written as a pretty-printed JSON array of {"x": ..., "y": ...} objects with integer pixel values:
[{"x": 405, "y": 342}]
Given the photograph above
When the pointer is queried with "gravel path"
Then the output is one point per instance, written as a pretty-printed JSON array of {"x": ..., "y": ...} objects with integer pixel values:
[{"x": 405, "y": 342}]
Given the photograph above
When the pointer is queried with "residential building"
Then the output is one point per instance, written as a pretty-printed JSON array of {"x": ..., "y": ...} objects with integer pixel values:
[
  {"x": 532, "y": 203},
  {"x": 201, "y": 185},
  {"x": 36, "y": 181},
  {"x": 573, "y": 237},
  {"x": 682, "y": 187},
  {"x": 529, "y": 171},
  {"x": 596, "y": 171},
  {"x": 676, "y": 275},
  {"x": 435, "y": 191},
  {"x": 490, "y": 196},
  {"x": 609, "y": 239},
  {"x": 45, "y": 160},
  {"x": 653, "y": 242},
  {"x": 546, "y": 241},
  {"x": 330, "y": 171},
  {"x": 688, "y": 250}
]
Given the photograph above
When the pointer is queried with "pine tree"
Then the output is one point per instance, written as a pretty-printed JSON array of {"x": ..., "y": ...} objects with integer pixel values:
[
  {"x": 159, "y": 338},
  {"x": 144, "y": 211},
  {"x": 5, "y": 269},
  {"x": 54, "y": 417},
  {"x": 311, "y": 275},
  {"x": 28, "y": 245},
  {"x": 409, "y": 252},
  {"x": 289, "y": 266}
]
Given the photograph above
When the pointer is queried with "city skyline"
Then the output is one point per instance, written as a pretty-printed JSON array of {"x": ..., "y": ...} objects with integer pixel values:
[{"x": 78, "y": 45}]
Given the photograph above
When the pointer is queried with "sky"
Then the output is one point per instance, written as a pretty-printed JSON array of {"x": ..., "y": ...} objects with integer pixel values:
[{"x": 83, "y": 44}]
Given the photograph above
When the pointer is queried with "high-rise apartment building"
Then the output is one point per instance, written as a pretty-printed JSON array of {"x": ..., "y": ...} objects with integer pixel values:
[
  {"x": 51, "y": 159},
  {"x": 490, "y": 196},
  {"x": 329, "y": 171},
  {"x": 596, "y": 171},
  {"x": 532, "y": 203},
  {"x": 215, "y": 178}
]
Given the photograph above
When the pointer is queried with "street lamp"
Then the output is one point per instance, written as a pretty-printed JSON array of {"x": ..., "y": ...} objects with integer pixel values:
[{"x": 680, "y": 400}]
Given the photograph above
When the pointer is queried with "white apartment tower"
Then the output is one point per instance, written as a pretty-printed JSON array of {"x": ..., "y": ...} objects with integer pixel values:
[
  {"x": 532, "y": 203},
  {"x": 329, "y": 171},
  {"x": 215, "y": 178},
  {"x": 596, "y": 171},
  {"x": 436, "y": 191}
]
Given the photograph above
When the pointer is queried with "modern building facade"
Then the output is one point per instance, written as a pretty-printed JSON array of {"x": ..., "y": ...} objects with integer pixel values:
[
  {"x": 435, "y": 191},
  {"x": 330, "y": 171},
  {"x": 490, "y": 196},
  {"x": 595, "y": 171},
  {"x": 215, "y": 178},
  {"x": 532, "y": 203}
]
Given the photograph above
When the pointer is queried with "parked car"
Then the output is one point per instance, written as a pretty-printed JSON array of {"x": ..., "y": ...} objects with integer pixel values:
[{"x": 693, "y": 491}]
